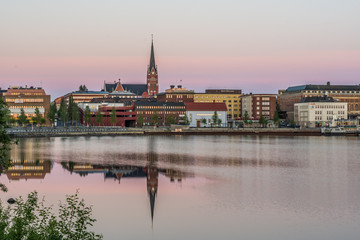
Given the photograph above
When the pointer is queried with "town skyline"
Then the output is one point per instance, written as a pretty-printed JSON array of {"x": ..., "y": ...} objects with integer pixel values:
[{"x": 255, "y": 46}]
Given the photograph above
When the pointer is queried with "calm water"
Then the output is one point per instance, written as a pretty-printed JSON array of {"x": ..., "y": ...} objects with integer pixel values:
[{"x": 200, "y": 187}]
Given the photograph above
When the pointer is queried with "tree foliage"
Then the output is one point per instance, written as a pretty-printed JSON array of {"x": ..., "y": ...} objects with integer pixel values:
[
  {"x": 63, "y": 113},
  {"x": 140, "y": 120},
  {"x": 246, "y": 117},
  {"x": 5, "y": 142},
  {"x": 170, "y": 119},
  {"x": 186, "y": 120},
  {"x": 52, "y": 113},
  {"x": 99, "y": 117},
  {"x": 31, "y": 219},
  {"x": 215, "y": 118},
  {"x": 83, "y": 88},
  {"x": 87, "y": 115},
  {"x": 37, "y": 118},
  {"x": 22, "y": 120},
  {"x": 155, "y": 118},
  {"x": 113, "y": 117},
  {"x": 276, "y": 118}
]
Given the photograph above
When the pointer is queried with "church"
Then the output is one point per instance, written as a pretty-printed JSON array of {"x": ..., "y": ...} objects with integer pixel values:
[{"x": 148, "y": 90}]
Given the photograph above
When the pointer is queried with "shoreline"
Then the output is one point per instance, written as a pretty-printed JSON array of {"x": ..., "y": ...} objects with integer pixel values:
[{"x": 169, "y": 131}]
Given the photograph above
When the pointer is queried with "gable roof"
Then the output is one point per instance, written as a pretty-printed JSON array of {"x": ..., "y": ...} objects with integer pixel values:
[
  {"x": 190, "y": 106},
  {"x": 138, "y": 89}
]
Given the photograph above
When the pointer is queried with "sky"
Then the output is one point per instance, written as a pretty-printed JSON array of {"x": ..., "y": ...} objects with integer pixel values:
[{"x": 258, "y": 46}]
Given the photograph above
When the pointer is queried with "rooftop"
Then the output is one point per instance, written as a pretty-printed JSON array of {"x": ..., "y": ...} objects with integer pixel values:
[{"x": 327, "y": 87}]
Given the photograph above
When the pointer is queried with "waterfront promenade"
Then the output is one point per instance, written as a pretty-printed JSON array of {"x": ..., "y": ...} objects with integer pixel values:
[{"x": 115, "y": 131}]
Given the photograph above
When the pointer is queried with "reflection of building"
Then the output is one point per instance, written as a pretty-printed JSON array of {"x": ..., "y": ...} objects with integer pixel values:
[
  {"x": 27, "y": 163},
  {"x": 231, "y": 97},
  {"x": 28, "y": 99},
  {"x": 28, "y": 169}
]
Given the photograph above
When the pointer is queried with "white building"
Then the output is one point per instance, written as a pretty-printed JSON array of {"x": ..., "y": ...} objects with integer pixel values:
[
  {"x": 198, "y": 113},
  {"x": 318, "y": 114}
]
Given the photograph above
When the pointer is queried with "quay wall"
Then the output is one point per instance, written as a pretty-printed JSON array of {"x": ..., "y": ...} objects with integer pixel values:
[{"x": 29, "y": 133}]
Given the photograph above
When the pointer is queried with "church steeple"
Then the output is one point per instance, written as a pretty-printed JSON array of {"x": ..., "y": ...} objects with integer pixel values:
[
  {"x": 152, "y": 73},
  {"x": 152, "y": 66}
]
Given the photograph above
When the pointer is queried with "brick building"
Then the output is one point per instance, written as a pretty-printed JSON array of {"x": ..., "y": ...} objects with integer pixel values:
[
  {"x": 28, "y": 99},
  {"x": 85, "y": 96},
  {"x": 163, "y": 110},
  {"x": 176, "y": 94},
  {"x": 125, "y": 113},
  {"x": 342, "y": 93},
  {"x": 257, "y": 105}
]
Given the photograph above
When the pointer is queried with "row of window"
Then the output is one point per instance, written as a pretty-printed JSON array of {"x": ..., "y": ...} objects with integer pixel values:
[
  {"x": 24, "y": 100},
  {"x": 314, "y": 91},
  {"x": 160, "y": 107},
  {"x": 335, "y": 106}
]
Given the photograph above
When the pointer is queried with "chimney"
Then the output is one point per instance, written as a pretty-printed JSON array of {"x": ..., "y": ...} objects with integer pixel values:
[
  {"x": 179, "y": 86},
  {"x": 328, "y": 83},
  {"x": 172, "y": 86}
]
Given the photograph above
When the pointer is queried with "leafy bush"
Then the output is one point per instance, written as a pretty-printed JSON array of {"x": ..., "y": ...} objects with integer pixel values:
[{"x": 30, "y": 219}]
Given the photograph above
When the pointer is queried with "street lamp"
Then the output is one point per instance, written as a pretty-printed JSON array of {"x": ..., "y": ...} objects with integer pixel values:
[{"x": 164, "y": 113}]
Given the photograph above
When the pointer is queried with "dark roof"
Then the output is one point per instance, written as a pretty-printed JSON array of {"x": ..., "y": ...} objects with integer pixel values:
[
  {"x": 159, "y": 104},
  {"x": 205, "y": 106},
  {"x": 327, "y": 87},
  {"x": 109, "y": 87},
  {"x": 152, "y": 58},
  {"x": 317, "y": 99},
  {"x": 138, "y": 89}
]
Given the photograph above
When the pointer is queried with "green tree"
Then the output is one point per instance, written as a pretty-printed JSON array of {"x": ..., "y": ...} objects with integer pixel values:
[
  {"x": 52, "y": 113},
  {"x": 219, "y": 121},
  {"x": 37, "y": 117},
  {"x": 155, "y": 118},
  {"x": 215, "y": 117},
  {"x": 5, "y": 142},
  {"x": 83, "y": 88},
  {"x": 31, "y": 219},
  {"x": 246, "y": 118},
  {"x": 22, "y": 118},
  {"x": 140, "y": 120},
  {"x": 263, "y": 121},
  {"x": 113, "y": 117},
  {"x": 87, "y": 115},
  {"x": 276, "y": 118},
  {"x": 170, "y": 119},
  {"x": 203, "y": 120},
  {"x": 63, "y": 114},
  {"x": 186, "y": 120},
  {"x": 99, "y": 117},
  {"x": 75, "y": 114}
]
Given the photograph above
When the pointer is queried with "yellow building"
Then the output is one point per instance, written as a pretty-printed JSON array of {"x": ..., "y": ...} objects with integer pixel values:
[{"x": 232, "y": 98}]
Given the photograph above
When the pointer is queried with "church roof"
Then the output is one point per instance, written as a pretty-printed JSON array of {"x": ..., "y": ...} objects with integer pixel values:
[
  {"x": 152, "y": 58},
  {"x": 138, "y": 89}
]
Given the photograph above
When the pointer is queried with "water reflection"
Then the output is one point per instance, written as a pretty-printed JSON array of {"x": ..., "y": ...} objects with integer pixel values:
[{"x": 200, "y": 187}]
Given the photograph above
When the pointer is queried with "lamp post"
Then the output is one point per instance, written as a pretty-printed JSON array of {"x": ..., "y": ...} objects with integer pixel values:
[{"x": 164, "y": 113}]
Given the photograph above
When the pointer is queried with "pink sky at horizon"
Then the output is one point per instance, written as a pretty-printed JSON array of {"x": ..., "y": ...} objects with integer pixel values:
[{"x": 258, "y": 74}]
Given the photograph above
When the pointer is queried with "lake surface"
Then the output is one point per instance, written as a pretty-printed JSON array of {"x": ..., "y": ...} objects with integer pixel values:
[{"x": 199, "y": 187}]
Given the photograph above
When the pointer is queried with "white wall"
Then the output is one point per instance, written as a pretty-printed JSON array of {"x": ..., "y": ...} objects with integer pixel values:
[{"x": 193, "y": 116}]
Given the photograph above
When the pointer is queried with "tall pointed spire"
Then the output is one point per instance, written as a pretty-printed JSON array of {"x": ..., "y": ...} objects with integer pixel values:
[
  {"x": 152, "y": 65},
  {"x": 152, "y": 73}
]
